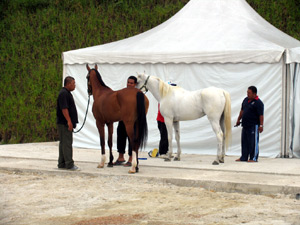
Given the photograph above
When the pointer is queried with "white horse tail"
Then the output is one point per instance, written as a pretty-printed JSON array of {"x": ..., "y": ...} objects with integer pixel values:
[{"x": 227, "y": 119}]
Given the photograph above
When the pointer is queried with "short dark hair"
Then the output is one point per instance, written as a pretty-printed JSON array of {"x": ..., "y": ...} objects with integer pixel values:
[
  {"x": 133, "y": 78},
  {"x": 68, "y": 79},
  {"x": 253, "y": 89}
]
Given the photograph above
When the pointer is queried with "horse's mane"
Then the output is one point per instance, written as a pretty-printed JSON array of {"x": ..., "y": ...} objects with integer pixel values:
[
  {"x": 164, "y": 88},
  {"x": 100, "y": 78}
]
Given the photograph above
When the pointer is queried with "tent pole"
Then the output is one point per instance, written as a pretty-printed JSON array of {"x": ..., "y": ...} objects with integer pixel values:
[
  {"x": 285, "y": 109},
  {"x": 288, "y": 111}
]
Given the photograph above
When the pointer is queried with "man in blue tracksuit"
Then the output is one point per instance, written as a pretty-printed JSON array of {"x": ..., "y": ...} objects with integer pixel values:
[{"x": 252, "y": 116}]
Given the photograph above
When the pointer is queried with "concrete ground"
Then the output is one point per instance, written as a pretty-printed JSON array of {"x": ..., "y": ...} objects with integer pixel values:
[{"x": 268, "y": 176}]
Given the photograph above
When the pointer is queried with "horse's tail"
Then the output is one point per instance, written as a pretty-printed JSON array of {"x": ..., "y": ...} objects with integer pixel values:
[
  {"x": 227, "y": 119},
  {"x": 141, "y": 120}
]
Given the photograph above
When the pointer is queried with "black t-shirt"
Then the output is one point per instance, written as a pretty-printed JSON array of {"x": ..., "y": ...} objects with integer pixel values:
[
  {"x": 65, "y": 100},
  {"x": 251, "y": 112}
]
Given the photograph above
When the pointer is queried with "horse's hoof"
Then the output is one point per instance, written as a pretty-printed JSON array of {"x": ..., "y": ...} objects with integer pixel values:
[
  {"x": 176, "y": 159},
  {"x": 167, "y": 160},
  {"x": 131, "y": 171},
  {"x": 215, "y": 163},
  {"x": 110, "y": 165},
  {"x": 136, "y": 169},
  {"x": 221, "y": 161},
  {"x": 100, "y": 166}
]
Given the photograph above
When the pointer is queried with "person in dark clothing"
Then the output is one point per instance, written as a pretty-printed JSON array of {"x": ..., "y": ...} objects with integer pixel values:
[
  {"x": 252, "y": 116},
  {"x": 67, "y": 119},
  {"x": 163, "y": 143},
  {"x": 122, "y": 134}
]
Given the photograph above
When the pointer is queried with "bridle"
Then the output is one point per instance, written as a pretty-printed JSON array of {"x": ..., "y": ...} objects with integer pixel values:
[
  {"x": 89, "y": 89},
  {"x": 144, "y": 85}
]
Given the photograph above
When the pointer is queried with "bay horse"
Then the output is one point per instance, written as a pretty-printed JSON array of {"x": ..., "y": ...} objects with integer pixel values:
[
  {"x": 129, "y": 105},
  {"x": 178, "y": 104}
]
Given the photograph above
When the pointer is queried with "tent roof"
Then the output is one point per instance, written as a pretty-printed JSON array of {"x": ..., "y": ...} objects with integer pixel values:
[{"x": 204, "y": 31}]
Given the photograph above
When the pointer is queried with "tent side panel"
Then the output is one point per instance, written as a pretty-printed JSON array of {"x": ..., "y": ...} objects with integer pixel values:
[
  {"x": 295, "y": 110},
  {"x": 196, "y": 136}
]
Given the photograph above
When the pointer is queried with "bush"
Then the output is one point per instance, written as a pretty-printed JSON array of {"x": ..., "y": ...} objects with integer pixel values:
[{"x": 34, "y": 33}]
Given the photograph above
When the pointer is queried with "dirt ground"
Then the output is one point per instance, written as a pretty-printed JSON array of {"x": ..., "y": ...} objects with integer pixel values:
[{"x": 38, "y": 198}]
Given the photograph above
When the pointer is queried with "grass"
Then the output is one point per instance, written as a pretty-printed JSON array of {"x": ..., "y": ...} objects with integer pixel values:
[{"x": 34, "y": 33}]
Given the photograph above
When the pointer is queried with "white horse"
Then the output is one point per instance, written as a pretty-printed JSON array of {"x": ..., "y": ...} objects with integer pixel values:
[{"x": 178, "y": 104}]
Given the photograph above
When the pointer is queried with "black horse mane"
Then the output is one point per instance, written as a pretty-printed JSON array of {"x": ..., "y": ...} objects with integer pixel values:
[{"x": 100, "y": 78}]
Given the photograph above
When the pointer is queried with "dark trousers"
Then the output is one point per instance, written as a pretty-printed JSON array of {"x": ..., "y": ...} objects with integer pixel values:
[
  {"x": 121, "y": 139},
  {"x": 250, "y": 140},
  {"x": 163, "y": 143},
  {"x": 65, "y": 157}
]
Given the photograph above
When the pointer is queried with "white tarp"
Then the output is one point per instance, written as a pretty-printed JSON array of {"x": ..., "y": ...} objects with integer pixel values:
[
  {"x": 222, "y": 43},
  {"x": 196, "y": 136},
  {"x": 295, "y": 109}
]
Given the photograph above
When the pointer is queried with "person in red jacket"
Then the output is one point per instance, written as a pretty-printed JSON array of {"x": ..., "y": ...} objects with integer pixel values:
[{"x": 163, "y": 143}]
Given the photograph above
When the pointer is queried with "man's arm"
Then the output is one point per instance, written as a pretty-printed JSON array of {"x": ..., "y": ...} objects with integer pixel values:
[
  {"x": 261, "y": 122},
  {"x": 67, "y": 116},
  {"x": 238, "y": 122}
]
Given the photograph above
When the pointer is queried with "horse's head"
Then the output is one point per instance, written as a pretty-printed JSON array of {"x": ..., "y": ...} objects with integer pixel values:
[
  {"x": 142, "y": 80},
  {"x": 89, "y": 86},
  {"x": 94, "y": 78}
]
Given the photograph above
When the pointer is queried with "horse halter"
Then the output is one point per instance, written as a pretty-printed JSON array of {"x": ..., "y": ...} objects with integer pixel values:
[
  {"x": 144, "y": 85},
  {"x": 89, "y": 87}
]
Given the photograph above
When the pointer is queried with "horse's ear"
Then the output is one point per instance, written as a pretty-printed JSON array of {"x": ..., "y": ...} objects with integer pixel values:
[
  {"x": 87, "y": 67},
  {"x": 96, "y": 66}
]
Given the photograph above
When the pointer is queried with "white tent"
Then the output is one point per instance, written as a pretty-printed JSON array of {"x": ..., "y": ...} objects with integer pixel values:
[{"x": 222, "y": 43}]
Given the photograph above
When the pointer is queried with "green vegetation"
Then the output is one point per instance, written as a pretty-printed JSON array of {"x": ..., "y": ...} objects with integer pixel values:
[{"x": 34, "y": 33}]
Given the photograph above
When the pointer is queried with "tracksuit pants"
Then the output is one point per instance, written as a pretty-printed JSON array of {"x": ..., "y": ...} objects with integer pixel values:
[{"x": 250, "y": 140}]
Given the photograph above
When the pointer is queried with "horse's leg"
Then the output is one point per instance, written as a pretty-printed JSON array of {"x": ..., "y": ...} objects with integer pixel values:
[
  {"x": 134, "y": 164},
  {"x": 217, "y": 129},
  {"x": 177, "y": 137},
  {"x": 169, "y": 123},
  {"x": 130, "y": 133},
  {"x": 222, "y": 123},
  {"x": 110, "y": 134},
  {"x": 102, "y": 144}
]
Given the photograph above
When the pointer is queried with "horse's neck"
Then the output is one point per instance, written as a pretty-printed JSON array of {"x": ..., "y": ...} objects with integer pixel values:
[
  {"x": 97, "y": 88},
  {"x": 153, "y": 87}
]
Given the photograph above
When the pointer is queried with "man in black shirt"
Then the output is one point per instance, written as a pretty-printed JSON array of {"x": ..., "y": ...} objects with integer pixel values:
[
  {"x": 67, "y": 119},
  {"x": 252, "y": 115}
]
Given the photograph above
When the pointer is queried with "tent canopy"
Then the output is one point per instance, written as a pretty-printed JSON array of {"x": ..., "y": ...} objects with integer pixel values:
[{"x": 204, "y": 31}]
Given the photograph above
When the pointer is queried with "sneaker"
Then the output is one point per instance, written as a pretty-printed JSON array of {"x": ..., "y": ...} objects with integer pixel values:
[
  {"x": 74, "y": 168},
  {"x": 163, "y": 156}
]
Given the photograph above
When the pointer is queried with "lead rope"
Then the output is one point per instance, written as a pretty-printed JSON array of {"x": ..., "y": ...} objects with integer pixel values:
[
  {"x": 144, "y": 85},
  {"x": 87, "y": 109}
]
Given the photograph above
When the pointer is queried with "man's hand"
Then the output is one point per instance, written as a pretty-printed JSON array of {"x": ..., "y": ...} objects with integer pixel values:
[
  {"x": 67, "y": 116},
  {"x": 70, "y": 126},
  {"x": 238, "y": 122}
]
